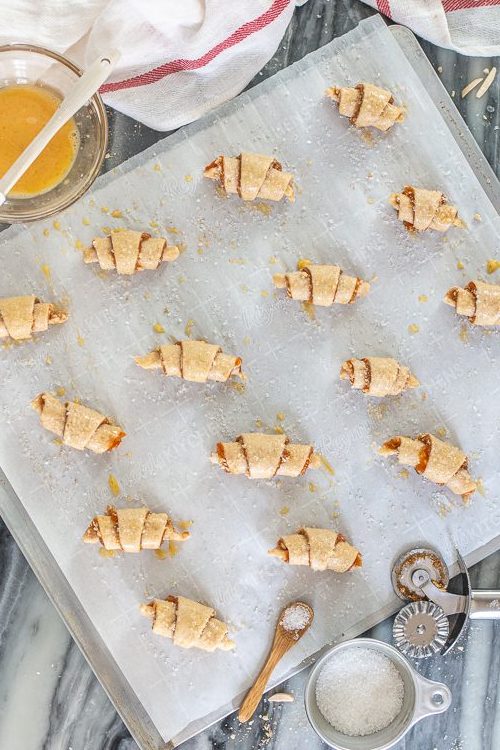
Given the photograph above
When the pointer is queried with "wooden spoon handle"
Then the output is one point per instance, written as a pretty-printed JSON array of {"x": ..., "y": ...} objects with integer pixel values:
[{"x": 252, "y": 698}]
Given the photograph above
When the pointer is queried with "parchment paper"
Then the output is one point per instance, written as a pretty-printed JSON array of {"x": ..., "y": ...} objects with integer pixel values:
[{"x": 220, "y": 289}]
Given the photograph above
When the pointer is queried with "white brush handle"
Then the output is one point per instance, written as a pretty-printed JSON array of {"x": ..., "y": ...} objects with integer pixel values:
[{"x": 83, "y": 90}]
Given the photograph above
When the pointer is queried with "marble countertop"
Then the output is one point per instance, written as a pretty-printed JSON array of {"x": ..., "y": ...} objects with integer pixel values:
[{"x": 49, "y": 697}]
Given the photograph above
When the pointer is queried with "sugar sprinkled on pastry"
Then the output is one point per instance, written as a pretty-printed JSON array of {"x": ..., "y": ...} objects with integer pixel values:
[
  {"x": 367, "y": 105},
  {"x": 261, "y": 456},
  {"x": 421, "y": 209},
  {"x": 321, "y": 285},
  {"x": 320, "y": 549},
  {"x": 188, "y": 623},
  {"x": 251, "y": 176},
  {"x": 77, "y": 425},
  {"x": 378, "y": 376},
  {"x": 20, "y": 317},
  {"x": 127, "y": 252},
  {"x": 196, "y": 361},
  {"x": 438, "y": 461},
  {"x": 477, "y": 301},
  {"x": 132, "y": 530}
]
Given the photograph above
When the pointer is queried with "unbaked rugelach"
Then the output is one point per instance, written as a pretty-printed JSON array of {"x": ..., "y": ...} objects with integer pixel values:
[
  {"x": 77, "y": 425},
  {"x": 196, "y": 361},
  {"x": 188, "y": 623},
  {"x": 260, "y": 456},
  {"x": 367, "y": 105},
  {"x": 477, "y": 301},
  {"x": 319, "y": 549},
  {"x": 321, "y": 285},
  {"x": 127, "y": 252},
  {"x": 251, "y": 176},
  {"x": 436, "y": 460},
  {"x": 378, "y": 376},
  {"x": 132, "y": 530},
  {"x": 20, "y": 317},
  {"x": 421, "y": 209}
]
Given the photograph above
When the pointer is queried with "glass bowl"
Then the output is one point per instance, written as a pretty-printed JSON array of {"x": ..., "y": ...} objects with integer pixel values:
[{"x": 27, "y": 64}]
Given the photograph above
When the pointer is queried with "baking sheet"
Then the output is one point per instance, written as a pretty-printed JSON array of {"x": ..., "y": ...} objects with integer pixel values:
[{"x": 221, "y": 289}]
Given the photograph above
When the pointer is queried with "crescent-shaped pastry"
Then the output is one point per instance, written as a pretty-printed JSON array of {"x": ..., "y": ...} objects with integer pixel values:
[
  {"x": 321, "y": 285},
  {"x": 320, "y": 549},
  {"x": 251, "y": 176},
  {"x": 196, "y": 361},
  {"x": 367, "y": 105},
  {"x": 436, "y": 460},
  {"x": 421, "y": 209},
  {"x": 132, "y": 530},
  {"x": 378, "y": 376},
  {"x": 20, "y": 317},
  {"x": 260, "y": 456},
  {"x": 188, "y": 623},
  {"x": 126, "y": 252},
  {"x": 478, "y": 301},
  {"x": 77, "y": 425}
]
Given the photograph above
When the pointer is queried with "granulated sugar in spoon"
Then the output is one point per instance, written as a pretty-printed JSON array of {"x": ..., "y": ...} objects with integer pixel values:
[{"x": 293, "y": 622}]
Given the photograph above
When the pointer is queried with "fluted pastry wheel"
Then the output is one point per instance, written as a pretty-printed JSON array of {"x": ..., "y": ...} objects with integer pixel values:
[
  {"x": 367, "y": 105},
  {"x": 127, "y": 252},
  {"x": 20, "y": 317},
  {"x": 251, "y": 176},
  {"x": 478, "y": 301},
  {"x": 77, "y": 425},
  {"x": 321, "y": 285},
  {"x": 188, "y": 623},
  {"x": 421, "y": 209},
  {"x": 132, "y": 530},
  {"x": 196, "y": 361},
  {"x": 320, "y": 549},
  {"x": 435, "y": 459},
  {"x": 261, "y": 456},
  {"x": 378, "y": 376}
]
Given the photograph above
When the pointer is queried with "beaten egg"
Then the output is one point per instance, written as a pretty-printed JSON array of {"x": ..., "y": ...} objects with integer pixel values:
[{"x": 24, "y": 110}]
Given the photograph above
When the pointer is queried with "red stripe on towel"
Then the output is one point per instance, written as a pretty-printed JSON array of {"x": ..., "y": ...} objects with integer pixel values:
[
  {"x": 450, "y": 5},
  {"x": 384, "y": 7},
  {"x": 175, "y": 66}
]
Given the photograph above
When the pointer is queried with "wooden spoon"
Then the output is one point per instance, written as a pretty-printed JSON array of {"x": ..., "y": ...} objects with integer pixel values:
[{"x": 293, "y": 622}]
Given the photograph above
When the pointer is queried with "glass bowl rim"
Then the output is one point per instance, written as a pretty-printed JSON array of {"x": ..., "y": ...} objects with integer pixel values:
[{"x": 103, "y": 133}]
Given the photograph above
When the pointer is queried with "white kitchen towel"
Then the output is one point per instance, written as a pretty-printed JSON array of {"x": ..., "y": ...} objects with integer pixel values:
[
  {"x": 180, "y": 58},
  {"x": 471, "y": 27}
]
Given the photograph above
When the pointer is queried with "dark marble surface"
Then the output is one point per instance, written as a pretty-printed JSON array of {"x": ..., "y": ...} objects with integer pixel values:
[{"x": 50, "y": 699}]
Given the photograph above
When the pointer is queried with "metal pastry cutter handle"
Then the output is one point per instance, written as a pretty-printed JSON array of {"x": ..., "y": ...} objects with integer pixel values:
[
  {"x": 478, "y": 604},
  {"x": 485, "y": 604}
]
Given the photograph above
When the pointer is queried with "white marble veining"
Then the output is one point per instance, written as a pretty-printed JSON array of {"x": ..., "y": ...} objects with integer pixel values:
[{"x": 49, "y": 698}]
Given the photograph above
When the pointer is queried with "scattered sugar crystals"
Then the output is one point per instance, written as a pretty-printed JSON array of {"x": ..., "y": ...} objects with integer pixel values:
[{"x": 359, "y": 691}]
